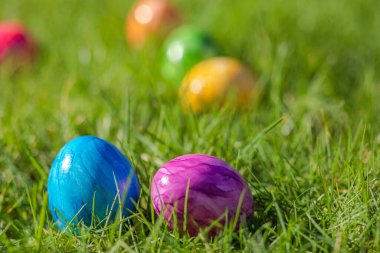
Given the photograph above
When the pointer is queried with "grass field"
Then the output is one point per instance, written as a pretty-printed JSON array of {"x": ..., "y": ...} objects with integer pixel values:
[{"x": 310, "y": 151}]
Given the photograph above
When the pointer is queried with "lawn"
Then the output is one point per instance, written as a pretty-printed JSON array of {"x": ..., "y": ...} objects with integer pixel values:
[{"x": 309, "y": 150}]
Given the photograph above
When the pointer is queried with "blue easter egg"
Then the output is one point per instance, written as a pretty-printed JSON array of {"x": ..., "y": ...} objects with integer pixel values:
[{"x": 89, "y": 181}]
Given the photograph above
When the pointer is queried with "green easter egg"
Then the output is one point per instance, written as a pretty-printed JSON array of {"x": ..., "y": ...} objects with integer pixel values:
[{"x": 185, "y": 47}]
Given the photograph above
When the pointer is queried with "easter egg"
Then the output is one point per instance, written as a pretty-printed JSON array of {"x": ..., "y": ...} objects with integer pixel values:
[
  {"x": 185, "y": 47},
  {"x": 215, "y": 82},
  {"x": 90, "y": 181},
  {"x": 150, "y": 19},
  {"x": 209, "y": 185},
  {"x": 16, "y": 45}
]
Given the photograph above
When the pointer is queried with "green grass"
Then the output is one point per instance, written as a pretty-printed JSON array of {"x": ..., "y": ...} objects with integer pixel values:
[{"x": 314, "y": 176}]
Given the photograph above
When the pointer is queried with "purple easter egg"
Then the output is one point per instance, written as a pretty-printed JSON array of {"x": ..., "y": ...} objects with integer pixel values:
[{"x": 214, "y": 189}]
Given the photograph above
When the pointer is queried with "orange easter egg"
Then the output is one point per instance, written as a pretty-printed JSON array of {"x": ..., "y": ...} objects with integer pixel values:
[{"x": 150, "y": 19}]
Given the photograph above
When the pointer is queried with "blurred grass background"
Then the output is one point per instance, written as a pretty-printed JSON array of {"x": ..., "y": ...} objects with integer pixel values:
[{"x": 314, "y": 176}]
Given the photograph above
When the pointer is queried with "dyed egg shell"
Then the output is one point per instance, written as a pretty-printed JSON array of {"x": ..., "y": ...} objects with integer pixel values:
[
  {"x": 15, "y": 43},
  {"x": 214, "y": 82},
  {"x": 213, "y": 188},
  {"x": 150, "y": 19},
  {"x": 88, "y": 180},
  {"x": 185, "y": 47}
]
